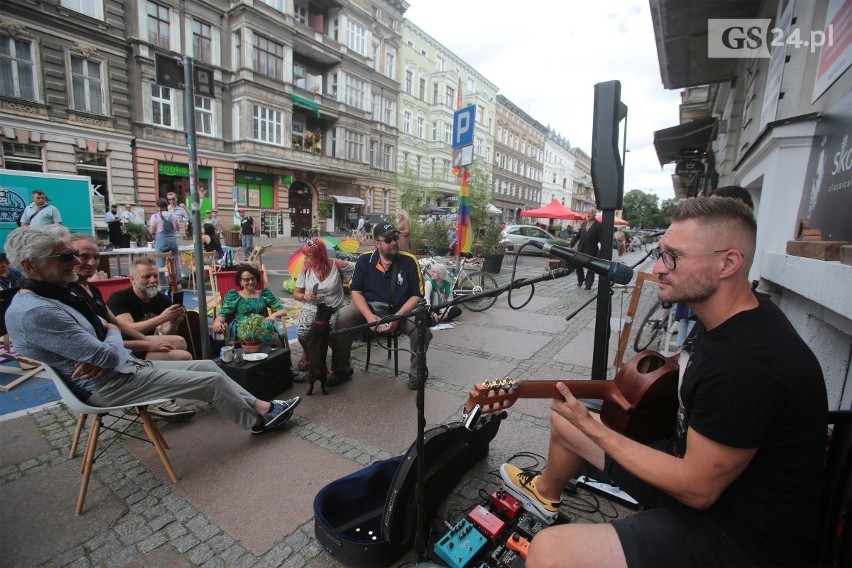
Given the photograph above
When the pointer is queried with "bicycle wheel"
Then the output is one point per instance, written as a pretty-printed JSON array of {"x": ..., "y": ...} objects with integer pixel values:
[
  {"x": 651, "y": 328},
  {"x": 476, "y": 283},
  {"x": 303, "y": 237}
]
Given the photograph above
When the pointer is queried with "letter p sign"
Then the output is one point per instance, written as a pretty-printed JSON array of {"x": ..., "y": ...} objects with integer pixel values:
[{"x": 463, "y": 121}]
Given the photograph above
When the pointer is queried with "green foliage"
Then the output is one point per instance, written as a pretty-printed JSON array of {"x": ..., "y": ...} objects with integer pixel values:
[
  {"x": 252, "y": 327},
  {"x": 412, "y": 197},
  {"x": 435, "y": 235},
  {"x": 234, "y": 229},
  {"x": 138, "y": 233},
  {"x": 325, "y": 208},
  {"x": 480, "y": 195},
  {"x": 642, "y": 210},
  {"x": 490, "y": 240},
  {"x": 417, "y": 235}
]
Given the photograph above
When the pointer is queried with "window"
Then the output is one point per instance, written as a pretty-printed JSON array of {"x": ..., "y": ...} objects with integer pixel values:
[
  {"x": 202, "y": 36},
  {"x": 390, "y": 112},
  {"x": 299, "y": 75},
  {"x": 162, "y": 109},
  {"x": 434, "y": 130},
  {"x": 22, "y": 157},
  {"x": 439, "y": 63},
  {"x": 421, "y": 127},
  {"x": 406, "y": 122},
  {"x": 435, "y": 94},
  {"x": 374, "y": 154},
  {"x": 409, "y": 78},
  {"x": 387, "y": 157},
  {"x": 356, "y": 37},
  {"x": 448, "y": 133},
  {"x": 17, "y": 68},
  {"x": 93, "y": 8},
  {"x": 204, "y": 115},
  {"x": 354, "y": 146},
  {"x": 471, "y": 85},
  {"x": 275, "y": 4},
  {"x": 268, "y": 57},
  {"x": 422, "y": 89},
  {"x": 95, "y": 166},
  {"x": 355, "y": 93},
  {"x": 86, "y": 85},
  {"x": 390, "y": 65},
  {"x": 300, "y": 13},
  {"x": 267, "y": 125},
  {"x": 158, "y": 25},
  {"x": 377, "y": 107},
  {"x": 386, "y": 202},
  {"x": 449, "y": 97}
]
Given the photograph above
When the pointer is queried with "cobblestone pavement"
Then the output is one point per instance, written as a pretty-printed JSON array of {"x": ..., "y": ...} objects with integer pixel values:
[{"x": 155, "y": 524}]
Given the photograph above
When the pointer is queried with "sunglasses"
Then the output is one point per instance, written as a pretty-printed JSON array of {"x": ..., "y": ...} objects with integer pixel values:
[
  {"x": 389, "y": 240},
  {"x": 67, "y": 257}
]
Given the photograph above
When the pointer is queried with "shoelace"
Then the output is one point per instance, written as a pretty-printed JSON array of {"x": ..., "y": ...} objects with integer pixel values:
[{"x": 527, "y": 475}]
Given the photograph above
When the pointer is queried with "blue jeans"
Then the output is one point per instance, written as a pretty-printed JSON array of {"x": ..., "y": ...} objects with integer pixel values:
[
  {"x": 248, "y": 244},
  {"x": 167, "y": 243}
]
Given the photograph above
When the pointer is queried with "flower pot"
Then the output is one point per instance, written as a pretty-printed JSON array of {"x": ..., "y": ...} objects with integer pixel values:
[
  {"x": 232, "y": 239},
  {"x": 492, "y": 263},
  {"x": 252, "y": 346}
]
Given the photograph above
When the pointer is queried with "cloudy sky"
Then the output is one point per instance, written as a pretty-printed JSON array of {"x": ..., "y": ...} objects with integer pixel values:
[{"x": 546, "y": 57}]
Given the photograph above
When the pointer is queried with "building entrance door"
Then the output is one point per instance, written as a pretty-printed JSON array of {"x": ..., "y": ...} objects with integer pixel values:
[{"x": 300, "y": 207}]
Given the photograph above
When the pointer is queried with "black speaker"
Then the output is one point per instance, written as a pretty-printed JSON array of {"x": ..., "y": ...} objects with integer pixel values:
[{"x": 607, "y": 169}]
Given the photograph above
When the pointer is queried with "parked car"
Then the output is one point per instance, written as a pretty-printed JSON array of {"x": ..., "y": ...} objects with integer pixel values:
[{"x": 517, "y": 235}]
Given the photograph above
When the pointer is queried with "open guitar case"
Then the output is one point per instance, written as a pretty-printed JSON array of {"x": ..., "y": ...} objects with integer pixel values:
[{"x": 368, "y": 518}]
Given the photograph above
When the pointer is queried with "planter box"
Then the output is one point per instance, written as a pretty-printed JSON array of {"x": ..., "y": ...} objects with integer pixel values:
[
  {"x": 232, "y": 239},
  {"x": 492, "y": 263}
]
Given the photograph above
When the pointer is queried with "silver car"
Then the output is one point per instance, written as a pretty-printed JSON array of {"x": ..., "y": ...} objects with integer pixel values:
[{"x": 517, "y": 235}]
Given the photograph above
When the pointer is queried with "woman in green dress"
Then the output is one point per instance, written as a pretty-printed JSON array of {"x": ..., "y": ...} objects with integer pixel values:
[{"x": 248, "y": 300}]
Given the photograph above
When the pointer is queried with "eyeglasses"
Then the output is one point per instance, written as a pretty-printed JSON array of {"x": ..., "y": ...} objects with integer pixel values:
[
  {"x": 250, "y": 279},
  {"x": 389, "y": 240},
  {"x": 67, "y": 257},
  {"x": 670, "y": 259}
]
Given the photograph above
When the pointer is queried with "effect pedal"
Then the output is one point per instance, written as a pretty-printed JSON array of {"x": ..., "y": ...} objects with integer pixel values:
[
  {"x": 519, "y": 544},
  {"x": 528, "y": 525},
  {"x": 460, "y": 545},
  {"x": 505, "y": 504},
  {"x": 486, "y": 521}
]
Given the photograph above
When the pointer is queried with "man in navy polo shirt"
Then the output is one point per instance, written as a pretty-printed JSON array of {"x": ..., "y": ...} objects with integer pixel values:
[{"x": 386, "y": 282}]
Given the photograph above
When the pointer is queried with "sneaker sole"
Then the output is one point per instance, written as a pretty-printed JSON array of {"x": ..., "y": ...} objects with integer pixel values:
[{"x": 547, "y": 516}]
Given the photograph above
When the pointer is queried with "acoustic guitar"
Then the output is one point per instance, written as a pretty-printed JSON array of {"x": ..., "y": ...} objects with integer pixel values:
[
  {"x": 190, "y": 327},
  {"x": 640, "y": 401}
]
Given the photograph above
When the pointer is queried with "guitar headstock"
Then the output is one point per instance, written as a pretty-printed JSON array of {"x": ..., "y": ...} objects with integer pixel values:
[{"x": 493, "y": 396}]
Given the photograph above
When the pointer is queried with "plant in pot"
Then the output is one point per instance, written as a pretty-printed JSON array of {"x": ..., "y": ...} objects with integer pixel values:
[
  {"x": 253, "y": 330},
  {"x": 493, "y": 250},
  {"x": 232, "y": 237},
  {"x": 435, "y": 235},
  {"x": 135, "y": 233}
]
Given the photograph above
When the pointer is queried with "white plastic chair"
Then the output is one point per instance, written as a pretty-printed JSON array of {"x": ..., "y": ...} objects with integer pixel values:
[{"x": 155, "y": 437}]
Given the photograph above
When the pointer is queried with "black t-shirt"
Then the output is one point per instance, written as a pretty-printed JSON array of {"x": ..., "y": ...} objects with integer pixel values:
[
  {"x": 753, "y": 383},
  {"x": 127, "y": 302},
  {"x": 247, "y": 226}
]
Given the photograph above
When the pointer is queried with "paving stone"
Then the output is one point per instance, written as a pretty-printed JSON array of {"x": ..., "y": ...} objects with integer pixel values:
[{"x": 200, "y": 554}]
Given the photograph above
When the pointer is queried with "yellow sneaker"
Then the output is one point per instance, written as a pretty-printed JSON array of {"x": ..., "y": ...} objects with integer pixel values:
[{"x": 521, "y": 484}]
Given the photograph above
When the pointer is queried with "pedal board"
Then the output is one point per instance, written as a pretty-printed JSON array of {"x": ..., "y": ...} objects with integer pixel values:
[{"x": 460, "y": 545}]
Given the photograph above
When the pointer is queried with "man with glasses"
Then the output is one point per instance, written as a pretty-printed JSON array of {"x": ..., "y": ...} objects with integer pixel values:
[
  {"x": 739, "y": 483},
  {"x": 386, "y": 282},
  {"x": 53, "y": 324}
]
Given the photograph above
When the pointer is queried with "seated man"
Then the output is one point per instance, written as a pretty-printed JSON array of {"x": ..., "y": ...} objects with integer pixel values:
[
  {"x": 144, "y": 308},
  {"x": 53, "y": 324},
  {"x": 151, "y": 347},
  {"x": 386, "y": 282},
  {"x": 739, "y": 484}
]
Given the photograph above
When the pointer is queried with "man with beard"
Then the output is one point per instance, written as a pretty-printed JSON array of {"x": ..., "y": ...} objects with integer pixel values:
[
  {"x": 144, "y": 308},
  {"x": 386, "y": 282},
  {"x": 740, "y": 481},
  {"x": 52, "y": 324}
]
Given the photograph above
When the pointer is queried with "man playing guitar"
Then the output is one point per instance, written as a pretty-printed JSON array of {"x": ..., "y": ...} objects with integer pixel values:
[{"x": 739, "y": 484}]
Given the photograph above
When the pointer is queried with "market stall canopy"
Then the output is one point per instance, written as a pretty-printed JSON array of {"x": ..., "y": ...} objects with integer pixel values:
[{"x": 553, "y": 210}]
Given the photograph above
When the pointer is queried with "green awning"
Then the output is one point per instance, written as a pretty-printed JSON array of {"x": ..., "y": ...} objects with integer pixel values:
[{"x": 307, "y": 103}]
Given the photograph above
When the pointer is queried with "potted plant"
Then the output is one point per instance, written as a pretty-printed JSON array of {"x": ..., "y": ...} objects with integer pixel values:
[
  {"x": 135, "y": 233},
  {"x": 493, "y": 250},
  {"x": 252, "y": 330},
  {"x": 554, "y": 262},
  {"x": 232, "y": 237},
  {"x": 435, "y": 235}
]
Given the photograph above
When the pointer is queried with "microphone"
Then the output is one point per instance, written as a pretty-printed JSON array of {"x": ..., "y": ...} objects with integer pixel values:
[{"x": 613, "y": 271}]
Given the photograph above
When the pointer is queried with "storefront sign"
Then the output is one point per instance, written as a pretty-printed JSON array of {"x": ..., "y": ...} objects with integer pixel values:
[{"x": 182, "y": 170}]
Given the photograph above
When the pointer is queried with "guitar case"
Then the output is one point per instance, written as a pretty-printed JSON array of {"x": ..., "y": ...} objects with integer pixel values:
[{"x": 368, "y": 518}]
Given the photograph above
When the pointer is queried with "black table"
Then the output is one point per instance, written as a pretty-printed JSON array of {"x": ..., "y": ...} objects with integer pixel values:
[{"x": 265, "y": 379}]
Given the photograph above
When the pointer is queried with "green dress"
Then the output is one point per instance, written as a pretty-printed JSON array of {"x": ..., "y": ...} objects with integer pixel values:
[{"x": 236, "y": 307}]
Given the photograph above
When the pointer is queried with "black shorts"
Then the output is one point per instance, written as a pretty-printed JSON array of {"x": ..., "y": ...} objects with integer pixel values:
[{"x": 667, "y": 532}]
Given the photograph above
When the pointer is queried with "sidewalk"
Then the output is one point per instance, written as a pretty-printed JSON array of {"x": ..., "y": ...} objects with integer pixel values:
[{"x": 247, "y": 500}]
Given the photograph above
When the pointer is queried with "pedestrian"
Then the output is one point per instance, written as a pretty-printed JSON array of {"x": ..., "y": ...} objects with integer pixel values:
[
  {"x": 587, "y": 240},
  {"x": 246, "y": 233},
  {"x": 40, "y": 212},
  {"x": 113, "y": 223},
  {"x": 165, "y": 228},
  {"x": 403, "y": 227}
]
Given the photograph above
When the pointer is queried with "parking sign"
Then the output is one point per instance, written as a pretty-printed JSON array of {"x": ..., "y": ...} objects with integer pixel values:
[{"x": 463, "y": 121}]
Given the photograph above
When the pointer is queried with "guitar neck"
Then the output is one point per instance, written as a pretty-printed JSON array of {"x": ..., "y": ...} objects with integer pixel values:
[{"x": 495, "y": 398}]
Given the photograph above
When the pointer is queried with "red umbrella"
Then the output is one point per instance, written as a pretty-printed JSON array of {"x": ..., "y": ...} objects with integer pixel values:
[{"x": 553, "y": 210}]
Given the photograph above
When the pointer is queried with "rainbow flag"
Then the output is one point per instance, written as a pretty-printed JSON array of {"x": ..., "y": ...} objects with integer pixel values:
[
  {"x": 464, "y": 236},
  {"x": 456, "y": 169}
]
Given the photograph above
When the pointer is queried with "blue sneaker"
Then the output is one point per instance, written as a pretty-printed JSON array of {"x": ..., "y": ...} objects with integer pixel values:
[{"x": 281, "y": 412}]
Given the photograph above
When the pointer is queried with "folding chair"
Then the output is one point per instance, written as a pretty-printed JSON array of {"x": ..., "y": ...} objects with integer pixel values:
[
  {"x": 29, "y": 367},
  {"x": 136, "y": 410}
]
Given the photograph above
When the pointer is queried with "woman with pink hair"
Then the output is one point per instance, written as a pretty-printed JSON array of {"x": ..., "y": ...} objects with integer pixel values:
[{"x": 321, "y": 281}]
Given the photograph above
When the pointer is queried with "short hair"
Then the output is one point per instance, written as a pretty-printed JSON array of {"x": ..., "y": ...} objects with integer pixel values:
[
  {"x": 247, "y": 268},
  {"x": 4, "y": 258},
  {"x": 162, "y": 203},
  {"x": 142, "y": 260},
  {"x": 88, "y": 238},
  {"x": 735, "y": 192},
  {"x": 38, "y": 192},
  {"x": 712, "y": 212},
  {"x": 441, "y": 269},
  {"x": 33, "y": 242}
]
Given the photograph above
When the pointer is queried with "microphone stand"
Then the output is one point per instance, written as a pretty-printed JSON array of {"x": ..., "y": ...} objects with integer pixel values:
[{"x": 422, "y": 315}]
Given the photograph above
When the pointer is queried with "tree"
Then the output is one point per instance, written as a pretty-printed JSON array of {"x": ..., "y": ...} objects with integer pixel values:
[
  {"x": 412, "y": 197},
  {"x": 641, "y": 208},
  {"x": 665, "y": 216},
  {"x": 480, "y": 195}
]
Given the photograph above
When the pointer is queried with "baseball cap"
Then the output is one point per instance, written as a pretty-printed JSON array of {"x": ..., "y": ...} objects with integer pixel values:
[{"x": 383, "y": 229}]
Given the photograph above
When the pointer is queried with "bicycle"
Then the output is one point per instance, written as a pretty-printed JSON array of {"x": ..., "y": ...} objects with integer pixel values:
[
  {"x": 308, "y": 233},
  {"x": 654, "y": 329},
  {"x": 466, "y": 283}
]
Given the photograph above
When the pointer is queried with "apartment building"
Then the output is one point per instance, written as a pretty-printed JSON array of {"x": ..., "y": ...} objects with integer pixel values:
[
  {"x": 288, "y": 124},
  {"x": 558, "y": 180},
  {"x": 583, "y": 195},
  {"x": 519, "y": 142},
  {"x": 433, "y": 81}
]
